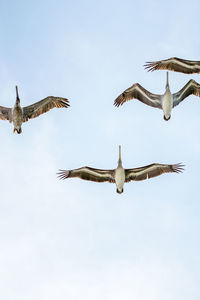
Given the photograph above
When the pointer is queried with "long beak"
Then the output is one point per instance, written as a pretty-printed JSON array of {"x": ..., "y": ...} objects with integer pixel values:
[
  {"x": 120, "y": 153},
  {"x": 17, "y": 95},
  {"x": 167, "y": 81}
]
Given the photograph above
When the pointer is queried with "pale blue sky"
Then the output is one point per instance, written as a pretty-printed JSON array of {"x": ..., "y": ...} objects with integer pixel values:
[{"x": 75, "y": 239}]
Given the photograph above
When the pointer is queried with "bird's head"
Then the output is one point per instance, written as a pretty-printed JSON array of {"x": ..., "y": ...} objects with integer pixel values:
[{"x": 167, "y": 117}]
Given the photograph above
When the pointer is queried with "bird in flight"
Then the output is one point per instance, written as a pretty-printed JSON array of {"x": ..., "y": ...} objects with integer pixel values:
[
  {"x": 166, "y": 101},
  {"x": 17, "y": 115},
  {"x": 174, "y": 64},
  {"x": 120, "y": 175}
]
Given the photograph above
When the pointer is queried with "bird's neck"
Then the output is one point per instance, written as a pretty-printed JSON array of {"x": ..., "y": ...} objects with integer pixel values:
[
  {"x": 120, "y": 163},
  {"x": 167, "y": 90},
  {"x": 17, "y": 103}
]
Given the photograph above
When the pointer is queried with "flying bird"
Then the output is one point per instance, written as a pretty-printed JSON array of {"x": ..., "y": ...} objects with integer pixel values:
[
  {"x": 174, "y": 64},
  {"x": 120, "y": 175},
  {"x": 17, "y": 115},
  {"x": 166, "y": 101}
]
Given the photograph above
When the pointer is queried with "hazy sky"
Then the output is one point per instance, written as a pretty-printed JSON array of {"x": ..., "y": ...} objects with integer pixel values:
[{"x": 75, "y": 239}]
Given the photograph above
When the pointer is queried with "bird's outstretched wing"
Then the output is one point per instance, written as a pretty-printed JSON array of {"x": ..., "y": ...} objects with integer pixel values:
[
  {"x": 192, "y": 87},
  {"x": 88, "y": 173},
  {"x": 40, "y": 107},
  {"x": 136, "y": 91},
  {"x": 5, "y": 113},
  {"x": 174, "y": 64},
  {"x": 150, "y": 171}
]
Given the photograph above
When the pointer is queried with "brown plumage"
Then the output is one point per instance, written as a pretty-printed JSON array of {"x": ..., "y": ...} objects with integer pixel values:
[
  {"x": 120, "y": 175},
  {"x": 137, "y": 174},
  {"x": 165, "y": 101},
  {"x": 152, "y": 170},
  {"x": 136, "y": 91},
  {"x": 88, "y": 173},
  {"x": 43, "y": 106},
  {"x": 5, "y": 113},
  {"x": 19, "y": 114},
  {"x": 190, "y": 88},
  {"x": 174, "y": 64}
]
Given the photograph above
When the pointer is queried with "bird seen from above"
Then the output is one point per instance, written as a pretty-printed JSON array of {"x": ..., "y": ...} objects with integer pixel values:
[
  {"x": 17, "y": 115},
  {"x": 120, "y": 175},
  {"x": 174, "y": 64},
  {"x": 166, "y": 101}
]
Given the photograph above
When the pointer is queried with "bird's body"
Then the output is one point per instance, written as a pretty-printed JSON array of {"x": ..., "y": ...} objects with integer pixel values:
[
  {"x": 167, "y": 104},
  {"x": 120, "y": 179},
  {"x": 165, "y": 101},
  {"x": 174, "y": 64},
  {"x": 120, "y": 175},
  {"x": 17, "y": 115}
]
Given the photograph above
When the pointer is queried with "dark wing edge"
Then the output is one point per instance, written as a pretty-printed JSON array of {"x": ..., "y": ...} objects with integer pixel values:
[
  {"x": 190, "y": 88},
  {"x": 88, "y": 173},
  {"x": 174, "y": 64},
  {"x": 136, "y": 91},
  {"x": 152, "y": 170},
  {"x": 43, "y": 106},
  {"x": 5, "y": 113}
]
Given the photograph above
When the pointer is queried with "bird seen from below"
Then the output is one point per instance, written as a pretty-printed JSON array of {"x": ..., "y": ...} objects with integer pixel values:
[
  {"x": 120, "y": 175},
  {"x": 166, "y": 101},
  {"x": 174, "y": 64},
  {"x": 17, "y": 115}
]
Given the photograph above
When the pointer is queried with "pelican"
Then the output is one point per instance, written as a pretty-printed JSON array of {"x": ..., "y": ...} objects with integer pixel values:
[
  {"x": 120, "y": 175},
  {"x": 165, "y": 102},
  {"x": 19, "y": 114},
  {"x": 174, "y": 64}
]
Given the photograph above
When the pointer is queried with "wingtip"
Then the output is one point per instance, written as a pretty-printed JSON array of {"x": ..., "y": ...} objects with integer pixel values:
[
  {"x": 116, "y": 104},
  {"x": 119, "y": 100},
  {"x": 179, "y": 168},
  {"x": 62, "y": 174},
  {"x": 65, "y": 101},
  {"x": 149, "y": 66}
]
